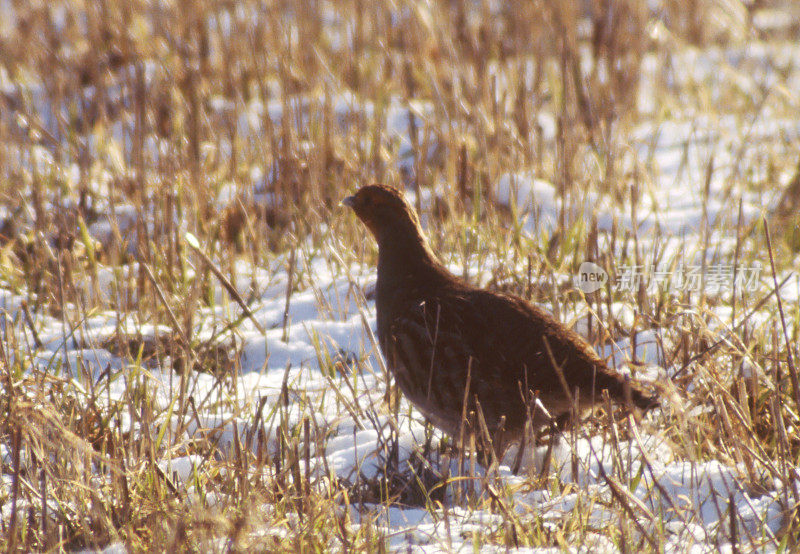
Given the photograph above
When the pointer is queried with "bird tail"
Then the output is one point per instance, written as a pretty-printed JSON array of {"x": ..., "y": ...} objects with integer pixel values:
[
  {"x": 639, "y": 398},
  {"x": 626, "y": 391}
]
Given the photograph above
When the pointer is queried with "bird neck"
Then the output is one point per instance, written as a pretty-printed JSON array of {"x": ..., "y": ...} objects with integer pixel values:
[{"x": 407, "y": 256}]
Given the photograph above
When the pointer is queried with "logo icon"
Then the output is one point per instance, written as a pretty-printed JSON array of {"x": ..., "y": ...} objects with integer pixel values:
[{"x": 590, "y": 277}]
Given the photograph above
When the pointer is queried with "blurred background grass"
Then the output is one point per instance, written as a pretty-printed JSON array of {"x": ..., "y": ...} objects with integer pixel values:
[{"x": 124, "y": 125}]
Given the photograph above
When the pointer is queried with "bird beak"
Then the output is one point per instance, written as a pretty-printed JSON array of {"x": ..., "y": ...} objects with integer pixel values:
[{"x": 349, "y": 201}]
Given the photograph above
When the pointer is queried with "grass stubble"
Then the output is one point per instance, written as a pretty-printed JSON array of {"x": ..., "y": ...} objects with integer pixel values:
[{"x": 156, "y": 106}]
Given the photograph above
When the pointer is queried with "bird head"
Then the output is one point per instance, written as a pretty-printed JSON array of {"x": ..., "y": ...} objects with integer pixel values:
[{"x": 385, "y": 212}]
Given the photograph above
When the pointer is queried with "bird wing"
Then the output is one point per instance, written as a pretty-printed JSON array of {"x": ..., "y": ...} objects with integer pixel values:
[{"x": 548, "y": 357}]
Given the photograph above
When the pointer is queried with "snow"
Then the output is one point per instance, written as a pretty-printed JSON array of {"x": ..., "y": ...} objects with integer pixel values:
[
  {"x": 319, "y": 342},
  {"x": 692, "y": 498}
]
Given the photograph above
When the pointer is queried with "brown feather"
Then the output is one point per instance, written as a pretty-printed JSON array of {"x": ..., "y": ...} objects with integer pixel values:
[{"x": 435, "y": 330}]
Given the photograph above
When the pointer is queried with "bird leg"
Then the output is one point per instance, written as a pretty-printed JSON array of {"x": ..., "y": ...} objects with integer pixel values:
[{"x": 537, "y": 417}]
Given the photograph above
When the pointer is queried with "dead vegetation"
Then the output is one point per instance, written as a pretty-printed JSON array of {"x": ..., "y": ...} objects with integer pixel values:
[{"x": 123, "y": 126}]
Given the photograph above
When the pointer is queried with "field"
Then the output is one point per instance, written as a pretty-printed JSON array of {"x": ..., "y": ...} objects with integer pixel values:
[{"x": 188, "y": 358}]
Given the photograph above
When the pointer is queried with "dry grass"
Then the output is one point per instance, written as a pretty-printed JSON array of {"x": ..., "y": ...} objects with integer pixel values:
[{"x": 156, "y": 106}]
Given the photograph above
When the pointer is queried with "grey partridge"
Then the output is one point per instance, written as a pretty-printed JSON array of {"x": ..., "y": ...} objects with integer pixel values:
[{"x": 447, "y": 342}]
